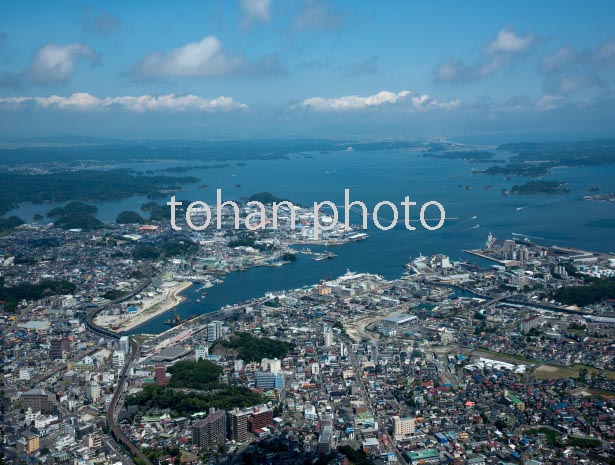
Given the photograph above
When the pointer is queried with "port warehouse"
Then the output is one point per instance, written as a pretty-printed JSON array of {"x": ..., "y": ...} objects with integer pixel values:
[{"x": 399, "y": 320}]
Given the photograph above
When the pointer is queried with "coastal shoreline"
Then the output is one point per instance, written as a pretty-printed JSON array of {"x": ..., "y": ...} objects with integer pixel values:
[{"x": 152, "y": 308}]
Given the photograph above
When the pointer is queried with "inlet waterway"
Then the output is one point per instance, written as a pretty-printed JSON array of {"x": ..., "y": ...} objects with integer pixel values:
[{"x": 474, "y": 204}]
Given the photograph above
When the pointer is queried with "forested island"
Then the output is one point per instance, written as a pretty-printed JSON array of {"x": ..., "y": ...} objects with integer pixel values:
[
  {"x": 580, "y": 153},
  {"x": 266, "y": 198},
  {"x": 532, "y": 170},
  {"x": 531, "y": 159},
  {"x": 129, "y": 217},
  {"x": 104, "y": 150},
  {"x": 85, "y": 185},
  {"x": 470, "y": 155},
  {"x": 538, "y": 187}
]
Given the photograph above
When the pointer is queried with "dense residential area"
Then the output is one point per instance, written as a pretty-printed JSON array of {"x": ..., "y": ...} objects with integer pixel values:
[{"x": 449, "y": 363}]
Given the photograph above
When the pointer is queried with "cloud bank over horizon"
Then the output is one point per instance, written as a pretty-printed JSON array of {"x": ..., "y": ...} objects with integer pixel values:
[
  {"x": 405, "y": 99},
  {"x": 82, "y": 101}
]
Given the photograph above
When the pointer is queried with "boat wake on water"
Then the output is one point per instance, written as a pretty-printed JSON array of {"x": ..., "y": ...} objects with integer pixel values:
[
  {"x": 528, "y": 236},
  {"x": 462, "y": 225},
  {"x": 537, "y": 204}
]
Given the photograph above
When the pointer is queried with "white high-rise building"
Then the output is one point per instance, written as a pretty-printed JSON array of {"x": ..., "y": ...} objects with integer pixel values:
[
  {"x": 118, "y": 359},
  {"x": 124, "y": 344},
  {"x": 214, "y": 331},
  {"x": 315, "y": 368},
  {"x": 201, "y": 353},
  {"x": 328, "y": 337},
  {"x": 275, "y": 365},
  {"x": 92, "y": 391}
]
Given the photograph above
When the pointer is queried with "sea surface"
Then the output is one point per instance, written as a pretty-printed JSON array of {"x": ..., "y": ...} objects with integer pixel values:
[{"x": 472, "y": 211}]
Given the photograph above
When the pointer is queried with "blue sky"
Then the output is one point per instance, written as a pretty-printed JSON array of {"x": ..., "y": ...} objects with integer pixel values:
[{"x": 267, "y": 68}]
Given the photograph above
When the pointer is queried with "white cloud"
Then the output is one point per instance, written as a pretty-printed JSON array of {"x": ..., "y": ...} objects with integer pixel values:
[
  {"x": 203, "y": 58},
  {"x": 195, "y": 59},
  {"x": 56, "y": 63},
  {"x": 404, "y": 99},
  {"x": 255, "y": 10},
  {"x": 506, "y": 47},
  {"x": 82, "y": 101},
  {"x": 508, "y": 41}
]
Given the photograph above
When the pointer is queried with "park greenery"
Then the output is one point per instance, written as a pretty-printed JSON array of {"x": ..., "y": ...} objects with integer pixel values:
[
  {"x": 596, "y": 290},
  {"x": 12, "y": 295},
  {"x": 114, "y": 294},
  {"x": 554, "y": 438},
  {"x": 249, "y": 347},
  {"x": 201, "y": 374},
  {"x": 340, "y": 326},
  {"x": 10, "y": 223},
  {"x": 183, "y": 403},
  {"x": 355, "y": 456},
  {"x": 84, "y": 222},
  {"x": 248, "y": 240},
  {"x": 170, "y": 248}
]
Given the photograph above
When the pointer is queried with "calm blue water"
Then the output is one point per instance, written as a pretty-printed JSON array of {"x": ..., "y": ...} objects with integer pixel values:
[{"x": 375, "y": 176}]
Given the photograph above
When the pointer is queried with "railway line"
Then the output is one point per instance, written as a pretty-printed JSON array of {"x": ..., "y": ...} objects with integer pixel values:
[{"x": 114, "y": 428}]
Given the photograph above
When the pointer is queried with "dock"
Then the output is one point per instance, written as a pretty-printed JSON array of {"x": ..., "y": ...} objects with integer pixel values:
[{"x": 481, "y": 254}]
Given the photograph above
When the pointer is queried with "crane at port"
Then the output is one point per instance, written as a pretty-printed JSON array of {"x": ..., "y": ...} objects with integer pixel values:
[{"x": 176, "y": 319}]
